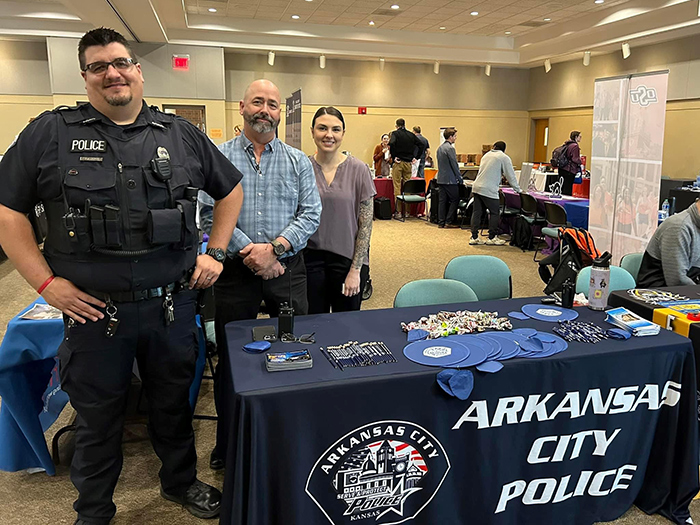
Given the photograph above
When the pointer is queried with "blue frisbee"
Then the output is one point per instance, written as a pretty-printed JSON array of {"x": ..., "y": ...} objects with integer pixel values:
[
  {"x": 436, "y": 352},
  {"x": 548, "y": 313}
]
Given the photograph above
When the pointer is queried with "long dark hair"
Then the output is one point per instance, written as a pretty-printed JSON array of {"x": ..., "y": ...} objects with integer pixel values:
[{"x": 328, "y": 110}]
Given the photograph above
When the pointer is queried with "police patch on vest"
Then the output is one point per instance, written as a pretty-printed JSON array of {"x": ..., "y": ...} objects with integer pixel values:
[
  {"x": 385, "y": 472},
  {"x": 88, "y": 145}
]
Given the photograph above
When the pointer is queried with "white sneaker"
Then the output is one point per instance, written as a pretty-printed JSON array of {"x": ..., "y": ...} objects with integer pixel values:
[
  {"x": 476, "y": 241},
  {"x": 495, "y": 242}
]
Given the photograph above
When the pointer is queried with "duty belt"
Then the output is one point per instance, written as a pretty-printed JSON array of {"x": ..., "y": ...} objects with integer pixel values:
[{"x": 140, "y": 295}]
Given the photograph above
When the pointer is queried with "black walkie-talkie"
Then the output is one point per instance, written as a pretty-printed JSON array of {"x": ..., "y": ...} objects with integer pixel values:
[{"x": 285, "y": 320}]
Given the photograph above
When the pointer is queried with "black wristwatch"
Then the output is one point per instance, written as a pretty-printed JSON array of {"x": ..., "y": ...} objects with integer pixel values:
[
  {"x": 278, "y": 248},
  {"x": 217, "y": 253}
]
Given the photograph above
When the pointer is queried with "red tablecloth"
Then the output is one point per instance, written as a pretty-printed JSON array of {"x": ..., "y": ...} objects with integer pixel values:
[
  {"x": 385, "y": 188},
  {"x": 583, "y": 189}
]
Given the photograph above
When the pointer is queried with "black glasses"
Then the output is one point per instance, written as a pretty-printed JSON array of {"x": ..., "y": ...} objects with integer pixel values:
[
  {"x": 121, "y": 64},
  {"x": 305, "y": 338}
]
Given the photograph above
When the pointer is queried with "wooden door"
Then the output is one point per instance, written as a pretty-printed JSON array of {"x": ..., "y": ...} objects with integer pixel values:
[{"x": 541, "y": 140}]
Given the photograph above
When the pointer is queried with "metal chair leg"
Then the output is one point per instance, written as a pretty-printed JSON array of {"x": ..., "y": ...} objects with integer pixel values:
[{"x": 54, "y": 442}]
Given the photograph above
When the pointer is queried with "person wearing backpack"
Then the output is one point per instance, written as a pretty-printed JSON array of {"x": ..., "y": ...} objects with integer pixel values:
[{"x": 567, "y": 159}]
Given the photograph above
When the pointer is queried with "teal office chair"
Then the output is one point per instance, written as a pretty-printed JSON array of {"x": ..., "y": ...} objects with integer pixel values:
[
  {"x": 631, "y": 262},
  {"x": 412, "y": 192},
  {"x": 620, "y": 279},
  {"x": 487, "y": 275},
  {"x": 433, "y": 291}
]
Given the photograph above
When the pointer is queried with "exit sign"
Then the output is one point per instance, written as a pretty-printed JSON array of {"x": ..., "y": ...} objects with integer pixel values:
[{"x": 181, "y": 62}]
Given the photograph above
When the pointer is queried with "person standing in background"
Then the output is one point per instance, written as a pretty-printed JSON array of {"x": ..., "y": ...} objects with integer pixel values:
[
  {"x": 420, "y": 151},
  {"x": 572, "y": 166},
  {"x": 448, "y": 179},
  {"x": 401, "y": 145},
  {"x": 428, "y": 159},
  {"x": 337, "y": 255},
  {"x": 382, "y": 158},
  {"x": 494, "y": 165}
]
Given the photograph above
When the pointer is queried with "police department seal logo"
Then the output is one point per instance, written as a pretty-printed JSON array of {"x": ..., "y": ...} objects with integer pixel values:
[{"x": 385, "y": 472}]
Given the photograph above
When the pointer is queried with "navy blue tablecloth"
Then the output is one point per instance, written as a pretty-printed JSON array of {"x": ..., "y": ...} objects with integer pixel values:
[{"x": 576, "y": 438}]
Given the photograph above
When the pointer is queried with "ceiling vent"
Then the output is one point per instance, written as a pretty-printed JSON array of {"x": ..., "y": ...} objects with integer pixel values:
[
  {"x": 386, "y": 12},
  {"x": 533, "y": 23}
]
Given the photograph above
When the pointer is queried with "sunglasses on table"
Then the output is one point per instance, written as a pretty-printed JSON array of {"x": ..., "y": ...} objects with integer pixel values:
[
  {"x": 120, "y": 64},
  {"x": 305, "y": 338}
]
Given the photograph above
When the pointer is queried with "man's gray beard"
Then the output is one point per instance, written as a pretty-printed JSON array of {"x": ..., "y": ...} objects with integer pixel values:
[
  {"x": 262, "y": 126},
  {"x": 119, "y": 101}
]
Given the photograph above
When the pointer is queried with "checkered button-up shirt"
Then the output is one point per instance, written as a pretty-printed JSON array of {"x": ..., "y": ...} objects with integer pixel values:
[{"x": 280, "y": 196}]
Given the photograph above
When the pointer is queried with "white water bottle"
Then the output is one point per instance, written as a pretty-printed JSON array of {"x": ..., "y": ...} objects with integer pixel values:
[
  {"x": 664, "y": 208},
  {"x": 599, "y": 285}
]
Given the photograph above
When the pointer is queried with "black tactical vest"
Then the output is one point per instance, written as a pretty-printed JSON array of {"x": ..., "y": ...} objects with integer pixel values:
[{"x": 122, "y": 201}]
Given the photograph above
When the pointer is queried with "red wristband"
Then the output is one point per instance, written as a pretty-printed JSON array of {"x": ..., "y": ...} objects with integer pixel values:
[{"x": 46, "y": 283}]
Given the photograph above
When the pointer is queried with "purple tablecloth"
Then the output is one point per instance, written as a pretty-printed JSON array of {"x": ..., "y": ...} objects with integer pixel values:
[
  {"x": 576, "y": 208},
  {"x": 576, "y": 212}
]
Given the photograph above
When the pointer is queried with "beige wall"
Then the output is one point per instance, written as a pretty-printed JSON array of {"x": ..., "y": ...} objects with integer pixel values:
[
  {"x": 400, "y": 85},
  {"x": 24, "y": 68},
  {"x": 571, "y": 84},
  {"x": 363, "y": 132},
  {"x": 681, "y": 157},
  {"x": 15, "y": 112}
]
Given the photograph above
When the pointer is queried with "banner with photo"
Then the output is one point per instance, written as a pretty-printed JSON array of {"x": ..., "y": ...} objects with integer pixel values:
[
  {"x": 293, "y": 120},
  {"x": 629, "y": 114}
]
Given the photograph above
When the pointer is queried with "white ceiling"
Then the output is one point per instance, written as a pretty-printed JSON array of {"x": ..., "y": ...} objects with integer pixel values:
[{"x": 342, "y": 27}]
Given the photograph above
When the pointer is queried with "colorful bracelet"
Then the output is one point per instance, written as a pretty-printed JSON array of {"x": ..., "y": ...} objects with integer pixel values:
[{"x": 46, "y": 283}]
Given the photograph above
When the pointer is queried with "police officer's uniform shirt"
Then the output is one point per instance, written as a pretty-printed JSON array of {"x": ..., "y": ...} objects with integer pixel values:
[{"x": 29, "y": 174}]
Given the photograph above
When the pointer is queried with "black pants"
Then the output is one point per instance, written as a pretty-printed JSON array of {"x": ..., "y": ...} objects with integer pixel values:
[
  {"x": 325, "y": 275},
  {"x": 481, "y": 204},
  {"x": 567, "y": 188},
  {"x": 449, "y": 200},
  {"x": 96, "y": 373},
  {"x": 238, "y": 293}
]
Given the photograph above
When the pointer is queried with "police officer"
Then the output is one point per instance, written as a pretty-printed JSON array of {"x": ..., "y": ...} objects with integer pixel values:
[{"x": 118, "y": 181}]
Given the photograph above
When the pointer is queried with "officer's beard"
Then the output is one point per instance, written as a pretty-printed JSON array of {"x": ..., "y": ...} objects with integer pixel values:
[
  {"x": 119, "y": 101},
  {"x": 261, "y": 123}
]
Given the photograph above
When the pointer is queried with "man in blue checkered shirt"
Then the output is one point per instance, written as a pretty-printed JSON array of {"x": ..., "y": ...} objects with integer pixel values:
[{"x": 281, "y": 210}]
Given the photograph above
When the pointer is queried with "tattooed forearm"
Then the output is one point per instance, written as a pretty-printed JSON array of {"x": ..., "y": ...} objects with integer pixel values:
[{"x": 364, "y": 232}]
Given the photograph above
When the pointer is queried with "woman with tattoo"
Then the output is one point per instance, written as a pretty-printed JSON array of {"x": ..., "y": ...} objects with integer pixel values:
[{"x": 337, "y": 255}]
